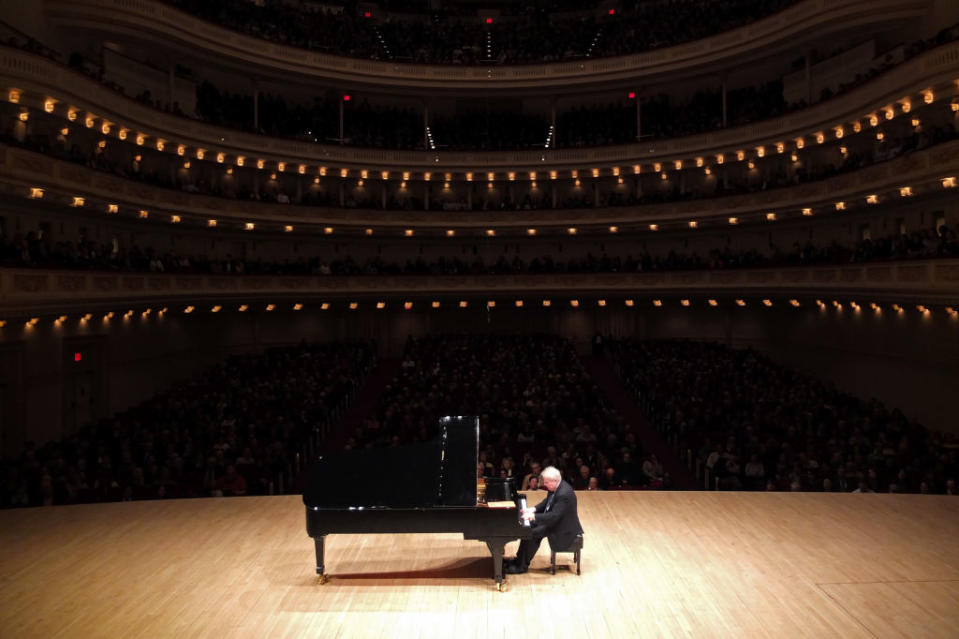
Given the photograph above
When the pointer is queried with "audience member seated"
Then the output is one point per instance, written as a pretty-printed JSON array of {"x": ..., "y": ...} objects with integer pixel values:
[{"x": 797, "y": 433}]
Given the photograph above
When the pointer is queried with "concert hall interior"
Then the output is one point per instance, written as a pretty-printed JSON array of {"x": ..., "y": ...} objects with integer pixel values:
[{"x": 317, "y": 316}]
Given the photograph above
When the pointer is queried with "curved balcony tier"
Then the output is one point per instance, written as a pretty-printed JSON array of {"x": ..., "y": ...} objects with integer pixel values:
[
  {"x": 41, "y": 83},
  {"x": 31, "y": 292},
  {"x": 927, "y": 173},
  {"x": 151, "y": 23}
]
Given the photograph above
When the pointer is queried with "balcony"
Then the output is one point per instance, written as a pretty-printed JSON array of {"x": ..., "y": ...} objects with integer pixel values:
[
  {"x": 159, "y": 25},
  {"x": 30, "y": 292},
  {"x": 39, "y": 80},
  {"x": 923, "y": 171}
]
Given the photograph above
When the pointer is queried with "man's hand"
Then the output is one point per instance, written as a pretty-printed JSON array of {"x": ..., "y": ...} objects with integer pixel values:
[{"x": 529, "y": 514}]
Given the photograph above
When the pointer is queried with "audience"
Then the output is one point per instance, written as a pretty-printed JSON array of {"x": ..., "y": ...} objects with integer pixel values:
[
  {"x": 35, "y": 250},
  {"x": 234, "y": 430},
  {"x": 797, "y": 433},
  {"x": 537, "y": 408}
]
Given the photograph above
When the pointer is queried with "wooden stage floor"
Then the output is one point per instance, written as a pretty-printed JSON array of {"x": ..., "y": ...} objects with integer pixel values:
[{"x": 654, "y": 565}]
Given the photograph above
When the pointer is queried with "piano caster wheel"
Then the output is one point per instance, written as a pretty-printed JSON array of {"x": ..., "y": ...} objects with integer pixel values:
[
  {"x": 324, "y": 579},
  {"x": 502, "y": 586}
]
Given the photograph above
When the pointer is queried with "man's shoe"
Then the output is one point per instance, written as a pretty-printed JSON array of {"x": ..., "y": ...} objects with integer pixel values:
[{"x": 515, "y": 569}]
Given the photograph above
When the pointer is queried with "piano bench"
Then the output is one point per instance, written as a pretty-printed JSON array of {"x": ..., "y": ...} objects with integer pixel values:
[{"x": 576, "y": 547}]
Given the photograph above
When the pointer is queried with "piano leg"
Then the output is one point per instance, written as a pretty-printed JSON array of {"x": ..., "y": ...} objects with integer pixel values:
[
  {"x": 319, "y": 544},
  {"x": 497, "y": 547}
]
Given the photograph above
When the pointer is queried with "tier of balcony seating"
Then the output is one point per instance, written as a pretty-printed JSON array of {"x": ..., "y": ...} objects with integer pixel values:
[{"x": 529, "y": 36}]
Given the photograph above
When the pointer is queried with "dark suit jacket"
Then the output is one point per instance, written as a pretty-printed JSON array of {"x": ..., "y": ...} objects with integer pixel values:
[{"x": 562, "y": 521}]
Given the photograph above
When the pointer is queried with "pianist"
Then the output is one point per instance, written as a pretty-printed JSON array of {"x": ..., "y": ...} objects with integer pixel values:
[{"x": 554, "y": 518}]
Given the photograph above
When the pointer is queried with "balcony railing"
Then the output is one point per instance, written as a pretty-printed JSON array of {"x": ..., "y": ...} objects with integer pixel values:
[
  {"x": 149, "y": 21},
  {"x": 39, "y": 78},
  {"x": 25, "y": 292},
  {"x": 923, "y": 171}
]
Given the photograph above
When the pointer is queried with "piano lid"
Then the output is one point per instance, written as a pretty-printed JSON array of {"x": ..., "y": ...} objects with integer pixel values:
[{"x": 437, "y": 473}]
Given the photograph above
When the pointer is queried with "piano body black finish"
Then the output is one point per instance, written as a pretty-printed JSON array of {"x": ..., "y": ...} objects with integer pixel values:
[{"x": 421, "y": 488}]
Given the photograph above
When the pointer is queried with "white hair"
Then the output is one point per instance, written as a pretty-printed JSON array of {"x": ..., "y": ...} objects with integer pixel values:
[{"x": 551, "y": 472}]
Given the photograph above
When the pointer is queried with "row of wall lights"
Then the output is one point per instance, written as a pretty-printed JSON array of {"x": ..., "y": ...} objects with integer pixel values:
[
  {"x": 519, "y": 303},
  {"x": 837, "y": 132}
]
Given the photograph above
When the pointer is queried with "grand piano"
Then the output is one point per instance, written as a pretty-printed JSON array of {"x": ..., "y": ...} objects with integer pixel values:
[{"x": 429, "y": 487}]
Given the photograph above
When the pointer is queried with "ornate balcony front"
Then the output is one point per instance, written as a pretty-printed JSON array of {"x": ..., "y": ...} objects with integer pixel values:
[
  {"x": 38, "y": 80},
  {"x": 925, "y": 172},
  {"x": 149, "y": 22},
  {"x": 29, "y": 292}
]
